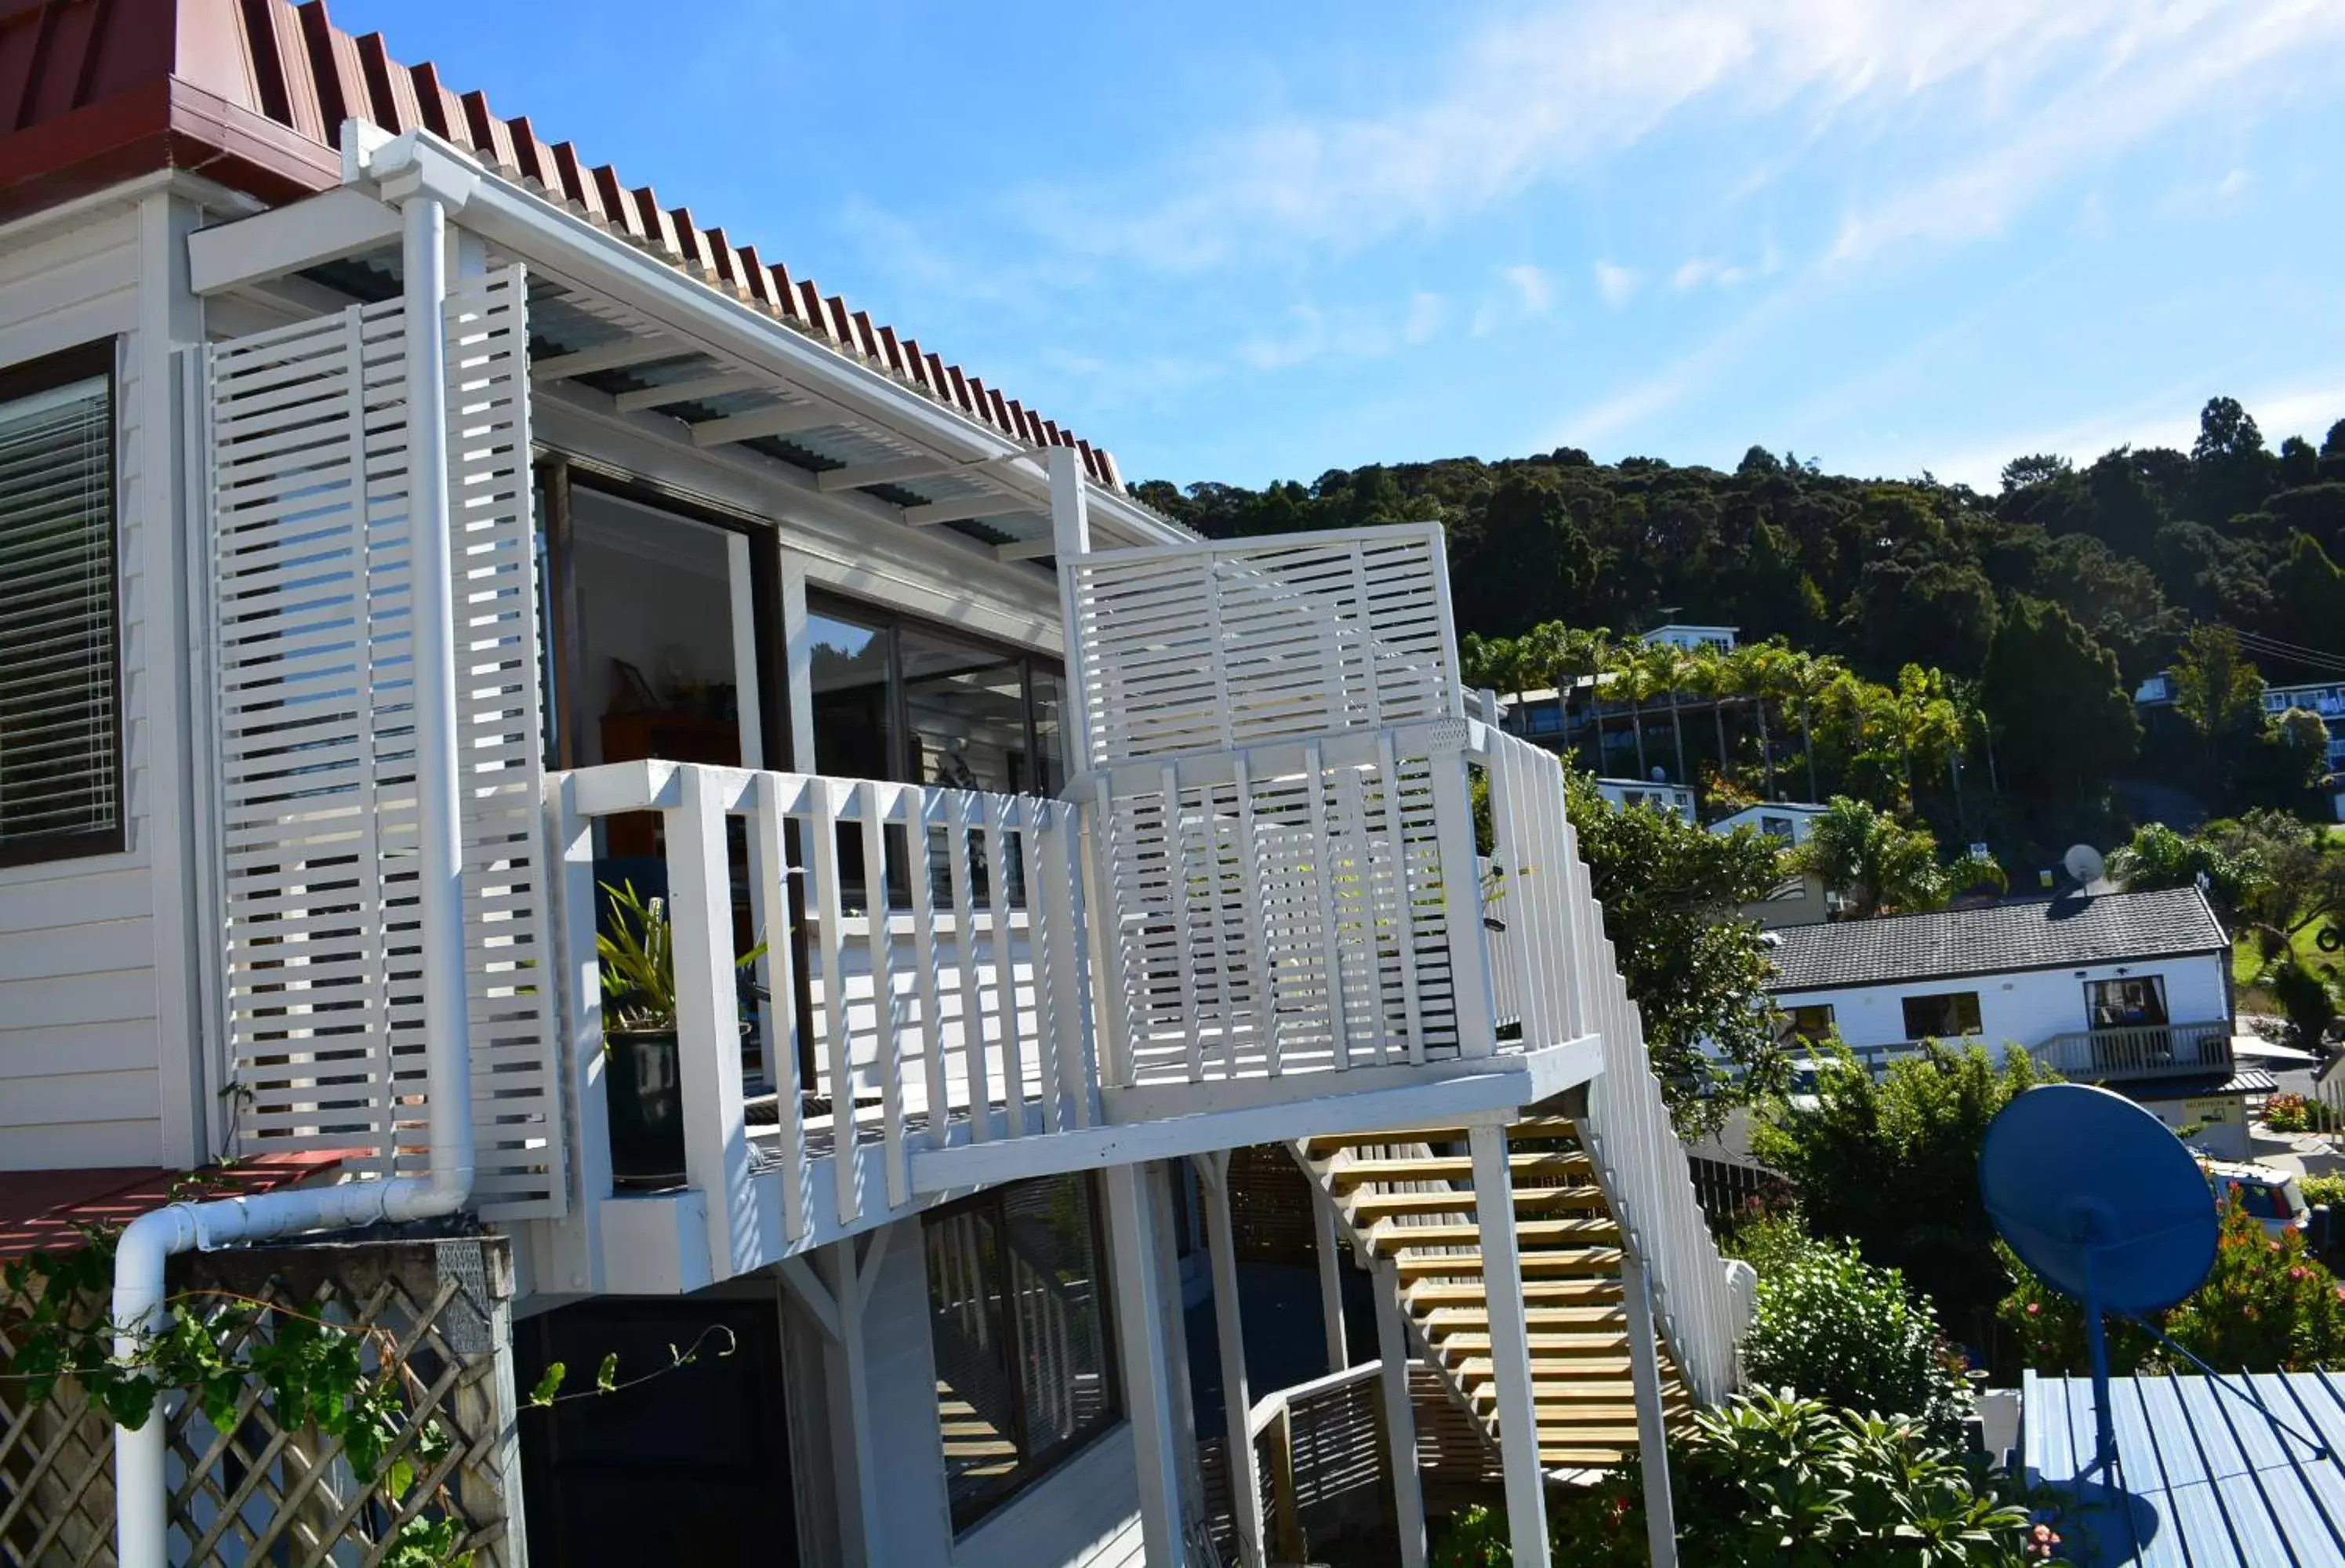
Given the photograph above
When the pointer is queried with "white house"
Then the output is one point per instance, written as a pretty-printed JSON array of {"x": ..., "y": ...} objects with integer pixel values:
[
  {"x": 1676, "y": 799},
  {"x": 414, "y": 527},
  {"x": 1787, "y": 820},
  {"x": 1692, "y": 639},
  {"x": 2132, "y": 989}
]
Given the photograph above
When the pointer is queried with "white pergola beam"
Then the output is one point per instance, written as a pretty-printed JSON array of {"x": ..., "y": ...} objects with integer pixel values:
[
  {"x": 1026, "y": 548},
  {"x": 783, "y": 420},
  {"x": 901, "y": 470},
  {"x": 965, "y": 508},
  {"x": 693, "y": 390},
  {"x": 619, "y": 356},
  {"x": 285, "y": 239}
]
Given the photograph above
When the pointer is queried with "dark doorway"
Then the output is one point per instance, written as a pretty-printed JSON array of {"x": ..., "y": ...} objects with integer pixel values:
[{"x": 692, "y": 1466}]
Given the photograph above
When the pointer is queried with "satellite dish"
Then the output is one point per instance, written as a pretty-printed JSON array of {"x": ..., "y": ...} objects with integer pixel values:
[
  {"x": 2102, "y": 1204},
  {"x": 2085, "y": 863}
]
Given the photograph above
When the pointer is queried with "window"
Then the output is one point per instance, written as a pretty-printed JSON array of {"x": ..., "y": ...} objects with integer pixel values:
[
  {"x": 897, "y": 700},
  {"x": 1944, "y": 1016},
  {"x": 2126, "y": 1004},
  {"x": 1017, "y": 1317},
  {"x": 1809, "y": 1025},
  {"x": 60, "y": 733}
]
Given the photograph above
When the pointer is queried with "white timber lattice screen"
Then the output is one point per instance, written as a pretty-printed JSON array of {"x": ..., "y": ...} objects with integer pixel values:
[
  {"x": 314, "y": 665},
  {"x": 1198, "y": 648}
]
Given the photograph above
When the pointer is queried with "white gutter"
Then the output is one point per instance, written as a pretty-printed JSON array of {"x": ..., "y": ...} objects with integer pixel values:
[{"x": 141, "y": 1495}]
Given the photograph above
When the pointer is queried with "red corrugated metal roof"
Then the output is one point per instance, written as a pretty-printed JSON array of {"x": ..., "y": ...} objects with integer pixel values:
[
  {"x": 44, "y": 1208},
  {"x": 252, "y": 92}
]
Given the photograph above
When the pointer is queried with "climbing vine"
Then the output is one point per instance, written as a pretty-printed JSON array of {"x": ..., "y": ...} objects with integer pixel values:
[{"x": 212, "y": 1345}]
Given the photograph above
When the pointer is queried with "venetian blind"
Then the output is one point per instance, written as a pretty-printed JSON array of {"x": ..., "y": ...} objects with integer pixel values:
[{"x": 59, "y": 781}]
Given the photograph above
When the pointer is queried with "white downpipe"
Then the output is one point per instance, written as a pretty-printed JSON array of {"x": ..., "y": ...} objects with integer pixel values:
[{"x": 141, "y": 1499}]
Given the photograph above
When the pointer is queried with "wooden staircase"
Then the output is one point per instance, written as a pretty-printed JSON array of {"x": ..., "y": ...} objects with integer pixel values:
[{"x": 1411, "y": 1206}]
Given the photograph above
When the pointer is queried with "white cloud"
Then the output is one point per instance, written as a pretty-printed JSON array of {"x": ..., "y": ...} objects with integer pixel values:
[
  {"x": 1532, "y": 285},
  {"x": 1989, "y": 102},
  {"x": 1617, "y": 284},
  {"x": 1700, "y": 270}
]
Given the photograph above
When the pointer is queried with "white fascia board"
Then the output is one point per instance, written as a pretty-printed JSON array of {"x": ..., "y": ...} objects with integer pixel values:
[{"x": 302, "y": 234}]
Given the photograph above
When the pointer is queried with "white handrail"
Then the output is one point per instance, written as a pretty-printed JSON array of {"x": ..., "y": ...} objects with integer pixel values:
[{"x": 1569, "y": 982}]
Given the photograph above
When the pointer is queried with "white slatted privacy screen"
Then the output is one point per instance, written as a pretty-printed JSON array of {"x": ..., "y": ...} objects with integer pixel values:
[
  {"x": 1202, "y": 648},
  {"x": 315, "y": 666},
  {"x": 1281, "y": 910},
  {"x": 60, "y": 781}
]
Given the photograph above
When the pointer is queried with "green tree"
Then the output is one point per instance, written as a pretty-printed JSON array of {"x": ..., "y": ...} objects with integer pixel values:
[
  {"x": 1832, "y": 1327},
  {"x": 2220, "y": 695},
  {"x": 2301, "y": 873},
  {"x": 1883, "y": 865},
  {"x": 1695, "y": 970},
  {"x": 2158, "y": 857},
  {"x": 2062, "y": 717},
  {"x": 2232, "y": 469},
  {"x": 2307, "y": 597},
  {"x": 1893, "y": 1165}
]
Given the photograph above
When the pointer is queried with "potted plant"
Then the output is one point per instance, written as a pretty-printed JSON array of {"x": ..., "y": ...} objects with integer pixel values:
[{"x": 643, "y": 1082}]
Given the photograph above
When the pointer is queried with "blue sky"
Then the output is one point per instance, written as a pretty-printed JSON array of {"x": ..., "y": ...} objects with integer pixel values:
[{"x": 1254, "y": 241}]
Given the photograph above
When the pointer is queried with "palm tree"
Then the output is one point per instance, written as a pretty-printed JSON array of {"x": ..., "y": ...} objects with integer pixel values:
[
  {"x": 1669, "y": 667},
  {"x": 1757, "y": 670}
]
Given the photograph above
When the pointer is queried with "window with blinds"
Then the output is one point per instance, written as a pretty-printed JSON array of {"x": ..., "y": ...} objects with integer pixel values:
[{"x": 60, "y": 689}]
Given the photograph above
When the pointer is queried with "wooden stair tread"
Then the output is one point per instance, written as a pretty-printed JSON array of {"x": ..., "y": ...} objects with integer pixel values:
[
  {"x": 1448, "y": 1167},
  {"x": 1471, "y": 1293},
  {"x": 1528, "y": 1234},
  {"x": 1372, "y": 1206},
  {"x": 1529, "y": 1126}
]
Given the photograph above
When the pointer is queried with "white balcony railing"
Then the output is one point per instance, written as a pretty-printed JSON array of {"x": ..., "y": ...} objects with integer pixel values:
[{"x": 2149, "y": 1051}]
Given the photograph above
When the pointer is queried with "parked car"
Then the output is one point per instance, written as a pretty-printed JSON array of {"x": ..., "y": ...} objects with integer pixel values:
[{"x": 2268, "y": 1194}]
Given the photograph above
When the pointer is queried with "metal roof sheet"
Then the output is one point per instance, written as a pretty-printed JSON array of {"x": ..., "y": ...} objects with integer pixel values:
[
  {"x": 2203, "y": 1480},
  {"x": 2035, "y": 934}
]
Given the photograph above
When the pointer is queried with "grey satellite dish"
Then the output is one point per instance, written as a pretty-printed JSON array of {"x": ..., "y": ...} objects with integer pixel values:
[{"x": 2085, "y": 863}]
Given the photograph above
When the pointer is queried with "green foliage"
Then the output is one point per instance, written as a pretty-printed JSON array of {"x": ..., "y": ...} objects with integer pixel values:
[
  {"x": 1893, "y": 1165},
  {"x": 1477, "y": 1538},
  {"x": 2286, "y": 1113},
  {"x": 1670, "y": 892},
  {"x": 1769, "y": 1240},
  {"x": 1883, "y": 865},
  {"x": 2267, "y": 1306},
  {"x": 2063, "y": 715},
  {"x": 2306, "y": 996},
  {"x": 1774, "y": 1480},
  {"x": 637, "y": 957},
  {"x": 2158, "y": 857},
  {"x": 1832, "y": 1327}
]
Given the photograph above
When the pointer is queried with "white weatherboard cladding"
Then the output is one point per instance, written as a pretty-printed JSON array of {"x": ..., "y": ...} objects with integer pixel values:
[
  {"x": 80, "y": 1039},
  {"x": 312, "y": 607}
]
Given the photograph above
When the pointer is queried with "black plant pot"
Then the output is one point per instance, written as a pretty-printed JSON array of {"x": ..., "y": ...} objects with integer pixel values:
[{"x": 644, "y": 1092}]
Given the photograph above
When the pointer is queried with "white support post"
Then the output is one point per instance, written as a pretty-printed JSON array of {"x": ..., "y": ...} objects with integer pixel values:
[
  {"x": 797, "y": 656},
  {"x": 709, "y": 1033},
  {"x": 1237, "y": 1400},
  {"x": 1140, "y": 1319},
  {"x": 848, "y": 1378},
  {"x": 1652, "y": 1434},
  {"x": 1331, "y": 1278},
  {"x": 1510, "y": 1349},
  {"x": 1400, "y": 1417},
  {"x": 1070, "y": 533}
]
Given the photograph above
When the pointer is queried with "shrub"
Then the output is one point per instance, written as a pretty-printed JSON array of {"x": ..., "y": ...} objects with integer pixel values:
[
  {"x": 2267, "y": 1306},
  {"x": 1774, "y": 1479},
  {"x": 1769, "y": 1240},
  {"x": 1477, "y": 1538},
  {"x": 2285, "y": 1113},
  {"x": 2323, "y": 1189},
  {"x": 1893, "y": 1165},
  {"x": 1832, "y": 1327}
]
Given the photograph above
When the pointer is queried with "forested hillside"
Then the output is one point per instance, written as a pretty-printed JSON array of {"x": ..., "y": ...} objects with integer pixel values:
[{"x": 2137, "y": 546}]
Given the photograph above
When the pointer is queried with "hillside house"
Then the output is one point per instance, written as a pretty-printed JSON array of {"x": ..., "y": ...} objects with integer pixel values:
[
  {"x": 2128, "y": 990},
  {"x": 420, "y": 529}
]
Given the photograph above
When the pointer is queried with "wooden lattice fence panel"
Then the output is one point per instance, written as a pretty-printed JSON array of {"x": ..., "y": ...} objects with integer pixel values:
[{"x": 434, "y": 1313}]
